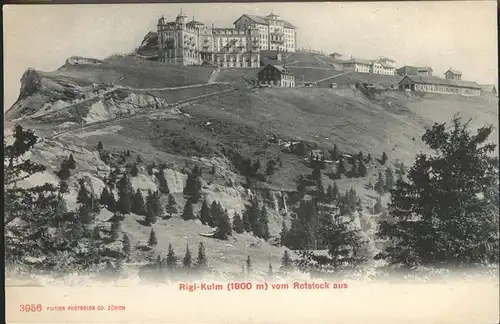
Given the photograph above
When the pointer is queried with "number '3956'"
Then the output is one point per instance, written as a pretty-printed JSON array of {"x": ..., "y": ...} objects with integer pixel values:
[{"x": 30, "y": 308}]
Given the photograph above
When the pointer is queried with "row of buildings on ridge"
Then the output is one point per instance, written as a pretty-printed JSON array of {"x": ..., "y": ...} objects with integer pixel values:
[{"x": 190, "y": 42}]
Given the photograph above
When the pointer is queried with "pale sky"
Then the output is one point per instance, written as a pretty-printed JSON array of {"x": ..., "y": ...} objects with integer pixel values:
[{"x": 457, "y": 34}]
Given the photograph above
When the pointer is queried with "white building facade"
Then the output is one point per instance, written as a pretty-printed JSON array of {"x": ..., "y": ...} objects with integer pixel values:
[{"x": 274, "y": 33}]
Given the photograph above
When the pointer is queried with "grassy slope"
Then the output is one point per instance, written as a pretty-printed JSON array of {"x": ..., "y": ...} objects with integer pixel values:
[{"x": 130, "y": 71}]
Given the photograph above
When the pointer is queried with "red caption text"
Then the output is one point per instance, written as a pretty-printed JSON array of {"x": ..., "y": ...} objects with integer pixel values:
[{"x": 231, "y": 286}]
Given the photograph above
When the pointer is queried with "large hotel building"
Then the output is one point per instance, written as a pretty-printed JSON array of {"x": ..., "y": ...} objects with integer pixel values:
[{"x": 186, "y": 42}]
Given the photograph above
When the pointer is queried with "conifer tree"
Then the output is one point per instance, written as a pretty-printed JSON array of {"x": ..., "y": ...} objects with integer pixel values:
[
  {"x": 335, "y": 153},
  {"x": 389, "y": 180},
  {"x": 187, "y": 213},
  {"x": 246, "y": 222},
  {"x": 263, "y": 225},
  {"x": 125, "y": 194},
  {"x": 99, "y": 146},
  {"x": 96, "y": 233},
  {"x": 224, "y": 229},
  {"x": 316, "y": 173},
  {"x": 134, "y": 171},
  {"x": 201, "y": 262},
  {"x": 152, "y": 241},
  {"x": 215, "y": 214},
  {"x": 249, "y": 265},
  {"x": 377, "y": 208},
  {"x": 336, "y": 193},
  {"x": 383, "y": 159},
  {"x": 340, "y": 168},
  {"x": 171, "y": 206},
  {"x": 283, "y": 234},
  {"x": 126, "y": 245},
  {"x": 150, "y": 170},
  {"x": 329, "y": 193},
  {"x": 286, "y": 263},
  {"x": 71, "y": 162},
  {"x": 139, "y": 159},
  {"x": 344, "y": 244},
  {"x": 104, "y": 198},
  {"x": 455, "y": 187},
  {"x": 154, "y": 208},
  {"x": 163, "y": 185},
  {"x": 320, "y": 190},
  {"x": 64, "y": 172},
  {"x": 354, "y": 171},
  {"x": 171, "y": 261},
  {"x": 238, "y": 224},
  {"x": 212, "y": 171},
  {"x": 187, "y": 261},
  {"x": 205, "y": 214},
  {"x": 138, "y": 204},
  {"x": 362, "y": 171},
  {"x": 115, "y": 228},
  {"x": 380, "y": 185}
]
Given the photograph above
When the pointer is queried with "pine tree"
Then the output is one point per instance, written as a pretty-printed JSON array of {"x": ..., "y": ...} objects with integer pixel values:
[
  {"x": 362, "y": 171},
  {"x": 163, "y": 185},
  {"x": 354, "y": 170},
  {"x": 224, "y": 229},
  {"x": 380, "y": 185},
  {"x": 171, "y": 206},
  {"x": 64, "y": 172},
  {"x": 205, "y": 214},
  {"x": 71, "y": 162},
  {"x": 335, "y": 153},
  {"x": 249, "y": 265},
  {"x": 454, "y": 188},
  {"x": 134, "y": 171},
  {"x": 171, "y": 261},
  {"x": 154, "y": 208},
  {"x": 115, "y": 229},
  {"x": 283, "y": 234},
  {"x": 320, "y": 190},
  {"x": 150, "y": 170},
  {"x": 246, "y": 222},
  {"x": 126, "y": 245},
  {"x": 336, "y": 193},
  {"x": 384, "y": 158},
  {"x": 212, "y": 171},
  {"x": 286, "y": 263},
  {"x": 99, "y": 146},
  {"x": 329, "y": 193},
  {"x": 344, "y": 244},
  {"x": 340, "y": 168},
  {"x": 63, "y": 187},
  {"x": 263, "y": 225},
  {"x": 193, "y": 185},
  {"x": 105, "y": 197},
  {"x": 125, "y": 194},
  {"x": 186, "y": 261},
  {"x": 112, "y": 177},
  {"x": 201, "y": 262},
  {"x": 139, "y": 159},
  {"x": 238, "y": 224},
  {"x": 316, "y": 173},
  {"x": 270, "y": 167},
  {"x": 152, "y": 241},
  {"x": 377, "y": 208},
  {"x": 138, "y": 203},
  {"x": 96, "y": 233},
  {"x": 187, "y": 213},
  {"x": 389, "y": 180}
]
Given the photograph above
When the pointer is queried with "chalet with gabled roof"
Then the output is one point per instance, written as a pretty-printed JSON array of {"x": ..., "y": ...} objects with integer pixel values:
[{"x": 276, "y": 75}]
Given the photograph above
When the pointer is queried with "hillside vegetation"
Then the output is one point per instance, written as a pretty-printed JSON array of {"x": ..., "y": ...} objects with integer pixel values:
[{"x": 251, "y": 150}]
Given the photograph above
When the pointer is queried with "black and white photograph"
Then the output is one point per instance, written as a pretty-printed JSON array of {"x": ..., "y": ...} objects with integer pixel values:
[{"x": 320, "y": 150}]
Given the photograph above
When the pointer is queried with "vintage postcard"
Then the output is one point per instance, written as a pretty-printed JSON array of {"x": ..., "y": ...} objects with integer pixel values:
[{"x": 302, "y": 162}]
